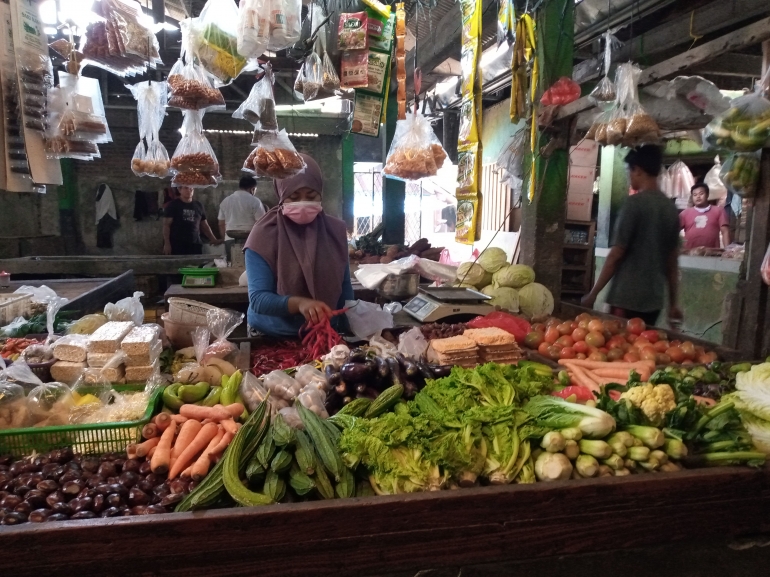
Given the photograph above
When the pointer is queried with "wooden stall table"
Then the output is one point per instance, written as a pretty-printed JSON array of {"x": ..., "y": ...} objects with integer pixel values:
[{"x": 689, "y": 523}]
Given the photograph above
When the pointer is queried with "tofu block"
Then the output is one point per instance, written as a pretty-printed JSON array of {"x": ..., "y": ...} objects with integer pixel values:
[
  {"x": 140, "y": 340},
  {"x": 71, "y": 349},
  {"x": 141, "y": 374},
  {"x": 67, "y": 372},
  {"x": 108, "y": 337}
]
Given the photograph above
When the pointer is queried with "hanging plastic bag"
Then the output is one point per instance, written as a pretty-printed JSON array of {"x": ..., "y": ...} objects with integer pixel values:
[
  {"x": 156, "y": 161},
  {"x": 259, "y": 106},
  {"x": 740, "y": 173},
  {"x": 563, "y": 91},
  {"x": 717, "y": 189},
  {"x": 221, "y": 323},
  {"x": 253, "y": 33},
  {"x": 745, "y": 126},
  {"x": 274, "y": 157},
  {"x": 137, "y": 161},
  {"x": 312, "y": 77},
  {"x": 765, "y": 270},
  {"x": 682, "y": 180},
  {"x": 640, "y": 128},
  {"x": 215, "y": 41},
  {"x": 127, "y": 309},
  {"x": 188, "y": 87},
  {"x": 331, "y": 81},
  {"x": 511, "y": 157},
  {"x": 416, "y": 151},
  {"x": 194, "y": 162},
  {"x": 285, "y": 23},
  {"x": 605, "y": 91}
]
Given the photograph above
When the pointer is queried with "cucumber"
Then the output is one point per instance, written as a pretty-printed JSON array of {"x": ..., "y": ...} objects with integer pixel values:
[
  {"x": 283, "y": 434},
  {"x": 275, "y": 487},
  {"x": 300, "y": 482},
  {"x": 305, "y": 454},
  {"x": 323, "y": 484},
  {"x": 355, "y": 408},
  {"x": 386, "y": 399},
  {"x": 281, "y": 462},
  {"x": 322, "y": 441}
]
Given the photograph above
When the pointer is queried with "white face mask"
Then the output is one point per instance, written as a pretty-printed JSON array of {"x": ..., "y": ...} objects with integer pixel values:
[{"x": 302, "y": 212}]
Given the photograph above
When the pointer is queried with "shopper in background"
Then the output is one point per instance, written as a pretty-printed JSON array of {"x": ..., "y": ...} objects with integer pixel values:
[
  {"x": 241, "y": 209},
  {"x": 644, "y": 255},
  {"x": 184, "y": 220},
  {"x": 703, "y": 223},
  {"x": 297, "y": 259}
]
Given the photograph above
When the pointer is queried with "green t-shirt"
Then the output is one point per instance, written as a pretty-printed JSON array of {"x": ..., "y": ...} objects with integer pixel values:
[{"x": 648, "y": 228}]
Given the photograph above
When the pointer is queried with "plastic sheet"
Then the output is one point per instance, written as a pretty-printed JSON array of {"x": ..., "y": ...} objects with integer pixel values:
[{"x": 127, "y": 309}]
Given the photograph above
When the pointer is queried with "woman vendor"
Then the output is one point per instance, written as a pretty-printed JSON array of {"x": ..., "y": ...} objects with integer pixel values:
[{"x": 296, "y": 259}]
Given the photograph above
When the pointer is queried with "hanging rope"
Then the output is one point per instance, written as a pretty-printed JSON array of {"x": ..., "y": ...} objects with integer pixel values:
[{"x": 694, "y": 37}]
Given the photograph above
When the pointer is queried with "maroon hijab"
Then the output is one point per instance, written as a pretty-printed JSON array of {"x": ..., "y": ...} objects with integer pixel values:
[{"x": 307, "y": 260}]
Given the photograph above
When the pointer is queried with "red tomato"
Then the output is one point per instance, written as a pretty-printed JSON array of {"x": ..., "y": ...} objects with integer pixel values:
[
  {"x": 583, "y": 317},
  {"x": 597, "y": 356},
  {"x": 662, "y": 336},
  {"x": 543, "y": 348},
  {"x": 676, "y": 354},
  {"x": 648, "y": 354},
  {"x": 612, "y": 326},
  {"x": 631, "y": 338},
  {"x": 552, "y": 321},
  {"x": 551, "y": 335},
  {"x": 675, "y": 343},
  {"x": 687, "y": 362},
  {"x": 583, "y": 324},
  {"x": 581, "y": 347},
  {"x": 662, "y": 359},
  {"x": 596, "y": 325},
  {"x": 595, "y": 339},
  {"x": 661, "y": 346},
  {"x": 568, "y": 353},
  {"x": 554, "y": 352},
  {"x": 636, "y": 326},
  {"x": 534, "y": 339},
  {"x": 631, "y": 358},
  {"x": 581, "y": 356},
  {"x": 641, "y": 342},
  {"x": 539, "y": 327},
  {"x": 613, "y": 345},
  {"x": 582, "y": 393},
  {"x": 604, "y": 350},
  {"x": 688, "y": 350},
  {"x": 704, "y": 359},
  {"x": 564, "y": 328},
  {"x": 615, "y": 354},
  {"x": 652, "y": 336},
  {"x": 579, "y": 334},
  {"x": 565, "y": 341}
]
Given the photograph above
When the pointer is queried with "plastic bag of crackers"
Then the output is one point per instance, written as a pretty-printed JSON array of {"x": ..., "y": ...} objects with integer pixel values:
[{"x": 416, "y": 151}]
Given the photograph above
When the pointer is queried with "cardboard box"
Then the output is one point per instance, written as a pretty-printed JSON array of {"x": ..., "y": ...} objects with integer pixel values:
[
  {"x": 584, "y": 153},
  {"x": 579, "y": 206}
]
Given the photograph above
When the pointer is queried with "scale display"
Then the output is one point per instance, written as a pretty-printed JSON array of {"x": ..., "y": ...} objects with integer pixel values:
[{"x": 427, "y": 308}]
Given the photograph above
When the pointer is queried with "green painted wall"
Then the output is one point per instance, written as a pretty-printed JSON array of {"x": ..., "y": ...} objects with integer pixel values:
[{"x": 496, "y": 130}]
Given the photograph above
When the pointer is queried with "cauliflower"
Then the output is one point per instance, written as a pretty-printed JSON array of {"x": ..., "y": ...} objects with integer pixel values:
[{"x": 654, "y": 401}]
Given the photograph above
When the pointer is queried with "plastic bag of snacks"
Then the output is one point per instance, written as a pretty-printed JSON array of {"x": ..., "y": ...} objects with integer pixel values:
[
  {"x": 253, "y": 28},
  {"x": 215, "y": 40},
  {"x": 194, "y": 162},
  {"x": 605, "y": 92},
  {"x": 259, "y": 106},
  {"x": 36, "y": 77},
  {"x": 49, "y": 404},
  {"x": 138, "y": 160},
  {"x": 285, "y": 23},
  {"x": 416, "y": 151},
  {"x": 221, "y": 323},
  {"x": 188, "y": 87},
  {"x": 274, "y": 157},
  {"x": 331, "y": 81},
  {"x": 14, "y": 413},
  {"x": 310, "y": 78},
  {"x": 119, "y": 41},
  {"x": 563, "y": 91},
  {"x": 745, "y": 126},
  {"x": 740, "y": 173},
  {"x": 354, "y": 68}
]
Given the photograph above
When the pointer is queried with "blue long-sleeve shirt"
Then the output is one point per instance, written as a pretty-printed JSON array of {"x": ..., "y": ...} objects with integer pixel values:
[{"x": 268, "y": 311}]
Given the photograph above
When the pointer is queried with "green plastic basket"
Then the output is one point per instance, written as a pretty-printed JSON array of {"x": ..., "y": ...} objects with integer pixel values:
[{"x": 84, "y": 439}]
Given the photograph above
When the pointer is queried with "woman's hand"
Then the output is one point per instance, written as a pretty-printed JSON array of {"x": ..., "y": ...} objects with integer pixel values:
[{"x": 313, "y": 311}]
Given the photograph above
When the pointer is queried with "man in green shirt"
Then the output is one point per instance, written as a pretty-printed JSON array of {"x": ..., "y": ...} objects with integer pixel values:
[{"x": 644, "y": 255}]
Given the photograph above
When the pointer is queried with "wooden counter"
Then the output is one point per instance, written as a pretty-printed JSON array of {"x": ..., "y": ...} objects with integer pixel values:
[{"x": 408, "y": 533}]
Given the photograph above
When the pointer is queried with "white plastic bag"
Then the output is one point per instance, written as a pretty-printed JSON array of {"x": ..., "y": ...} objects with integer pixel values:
[
  {"x": 127, "y": 309},
  {"x": 221, "y": 323},
  {"x": 412, "y": 343},
  {"x": 215, "y": 41},
  {"x": 416, "y": 151},
  {"x": 717, "y": 189},
  {"x": 285, "y": 23},
  {"x": 253, "y": 34},
  {"x": 367, "y": 319},
  {"x": 682, "y": 181}
]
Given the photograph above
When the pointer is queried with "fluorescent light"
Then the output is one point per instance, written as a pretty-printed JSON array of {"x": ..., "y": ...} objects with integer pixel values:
[
  {"x": 303, "y": 135},
  {"x": 50, "y": 31},
  {"x": 48, "y": 12}
]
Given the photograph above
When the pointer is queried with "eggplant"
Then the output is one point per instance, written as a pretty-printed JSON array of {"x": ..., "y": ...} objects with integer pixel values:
[
  {"x": 332, "y": 376},
  {"x": 425, "y": 371},
  {"x": 410, "y": 390},
  {"x": 361, "y": 387},
  {"x": 395, "y": 370},
  {"x": 371, "y": 364},
  {"x": 357, "y": 356},
  {"x": 354, "y": 372},
  {"x": 383, "y": 370},
  {"x": 441, "y": 371},
  {"x": 343, "y": 388},
  {"x": 410, "y": 368}
]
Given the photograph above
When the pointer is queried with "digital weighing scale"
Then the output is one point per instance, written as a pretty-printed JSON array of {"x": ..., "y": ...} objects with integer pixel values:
[
  {"x": 199, "y": 277},
  {"x": 436, "y": 303}
]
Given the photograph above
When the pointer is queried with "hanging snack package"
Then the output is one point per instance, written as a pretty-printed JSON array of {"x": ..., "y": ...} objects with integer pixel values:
[
  {"x": 274, "y": 157},
  {"x": 259, "y": 106},
  {"x": 138, "y": 160},
  {"x": 331, "y": 81},
  {"x": 189, "y": 89},
  {"x": 605, "y": 92},
  {"x": 253, "y": 34},
  {"x": 285, "y": 23},
  {"x": 467, "y": 173},
  {"x": 740, "y": 173},
  {"x": 352, "y": 31},
  {"x": 156, "y": 161},
  {"x": 354, "y": 69},
  {"x": 36, "y": 76},
  {"x": 415, "y": 152},
  {"x": 745, "y": 126},
  {"x": 312, "y": 77},
  {"x": 194, "y": 162},
  {"x": 376, "y": 23},
  {"x": 468, "y": 130},
  {"x": 640, "y": 127},
  {"x": 467, "y": 218},
  {"x": 215, "y": 41}
]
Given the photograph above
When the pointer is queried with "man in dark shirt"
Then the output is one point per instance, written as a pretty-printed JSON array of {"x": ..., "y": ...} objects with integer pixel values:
[
  {"x": 644, "y": 255},
  {"x": 184, "y": 220}
]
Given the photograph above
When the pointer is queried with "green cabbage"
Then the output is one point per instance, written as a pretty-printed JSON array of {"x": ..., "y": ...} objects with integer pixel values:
[
  {"x": 493, "y": 259},
  {"x": 535, "y": 300},
  {"x": 464, "y": 285},
  {"x": 759, "y": 429},
  {"x": 473, "y": 273},
  {"x": 489, "y": 290},
  {"x": 514, "y": 276},
  {"x": 505, "y": 298}
]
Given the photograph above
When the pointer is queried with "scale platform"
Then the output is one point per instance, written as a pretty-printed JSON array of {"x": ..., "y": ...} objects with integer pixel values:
[
  {"x": 199, "y": 277},
  {"x": 436, "y": 303}
]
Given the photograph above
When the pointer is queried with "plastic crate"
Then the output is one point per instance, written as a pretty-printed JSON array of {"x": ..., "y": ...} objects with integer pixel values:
[
  {"x": 14, "y": 305},
  {"x": 84, "y": 439}
]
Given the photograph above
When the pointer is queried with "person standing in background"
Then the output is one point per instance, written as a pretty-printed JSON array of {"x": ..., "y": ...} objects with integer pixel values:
[
  {"x": 184, "y": 220},
  {"x": 241, "y": 210},
  {"x": 703, "y": 223},
  {"x": 644, "y": 255}
]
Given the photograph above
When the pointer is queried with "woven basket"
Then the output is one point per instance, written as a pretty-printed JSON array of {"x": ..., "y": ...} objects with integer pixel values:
[
  {"x": 14, "y": 305},
  {"x": 188, "y": 312}
]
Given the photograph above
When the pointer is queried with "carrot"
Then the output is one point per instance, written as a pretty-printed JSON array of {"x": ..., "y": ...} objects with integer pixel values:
[
  {"x": 203, "y": 437},
  {"x": 704, "y": 401},
  {"x": 144, "y": 448},
  {"x": 131, "y": 450},
  {"x": 586, "y": 364},
  {"x": 187, "y": 472},
  {"x": 149, "y": 431},
  {"x": 187, "y": 433},
  {"x": 235, "y": 409},
  {"x": 151, "y": 453},
  {"x": 230, "y": 426},
  {"x": 219, "y": 449},
  {"x": 582, "y": 377},
  {"x": 162, "y": 421},
  {"x": 199, "y": 413},
  {"x": 201, "y": 467},
  {"x": 162, "y": 457},
  {"x": 179, "y": 419},
  {"x": 612, "y": 372}
]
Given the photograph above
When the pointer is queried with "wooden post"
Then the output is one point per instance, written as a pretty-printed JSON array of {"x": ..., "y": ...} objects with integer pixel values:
[{"x": 542, "y": 225}]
